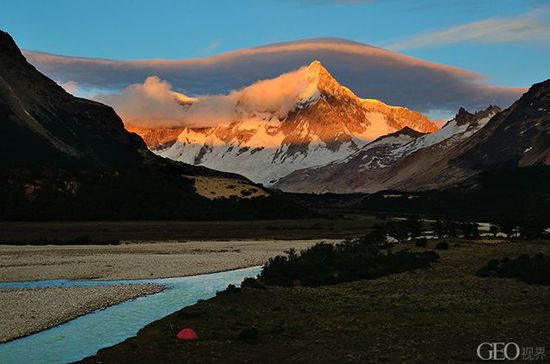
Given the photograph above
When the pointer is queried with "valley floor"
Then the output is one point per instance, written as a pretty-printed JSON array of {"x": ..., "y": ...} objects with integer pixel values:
[{"x": 439, "y": 314}]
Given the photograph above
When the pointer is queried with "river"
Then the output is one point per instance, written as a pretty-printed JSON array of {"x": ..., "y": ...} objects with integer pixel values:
[{"x": 85, "y": 335}]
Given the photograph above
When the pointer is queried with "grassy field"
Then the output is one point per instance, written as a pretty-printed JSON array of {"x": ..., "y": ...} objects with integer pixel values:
[{"x": 440, "y": 314}]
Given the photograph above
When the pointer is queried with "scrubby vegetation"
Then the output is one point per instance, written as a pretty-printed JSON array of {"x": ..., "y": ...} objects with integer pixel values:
[
  {"x": 421, "y": 242},
  {"x": 351, "y": 260},
  {"x": 454, "y": 311},
  {"x": 535, "y": 269},
  {"x": 527, "y": 228}
]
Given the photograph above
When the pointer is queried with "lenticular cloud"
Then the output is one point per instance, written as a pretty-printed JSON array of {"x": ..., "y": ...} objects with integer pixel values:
[{"x": 369, "y": 71}]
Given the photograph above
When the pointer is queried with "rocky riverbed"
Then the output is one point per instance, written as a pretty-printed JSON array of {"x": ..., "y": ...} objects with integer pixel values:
[{"x": 26, "y": 311}]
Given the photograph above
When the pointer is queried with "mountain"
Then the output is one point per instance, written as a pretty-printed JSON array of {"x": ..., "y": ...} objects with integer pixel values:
[
  {"x": 517, "y": 137},
  {"x": 318, "y": 121},
  {"x": 70, "y": 158},
  {"x": 388, "y": 160},
  {"x": 158, "y": 138},
  {"x": 467, "y": 146}
]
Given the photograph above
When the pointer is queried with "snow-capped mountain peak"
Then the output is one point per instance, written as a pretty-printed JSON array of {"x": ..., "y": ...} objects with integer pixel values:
[
  {"x": 300, "y": 119},
  {"x": 322, "y": 83}
]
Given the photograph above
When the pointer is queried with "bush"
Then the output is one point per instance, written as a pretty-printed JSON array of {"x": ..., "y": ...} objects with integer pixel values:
[
  {"x": 324, "y": 264},
  {"x": 442, "y": 245},
  {"x": 421, "y": 242},
  {"x": 252, "y": 283},
  {"x": 470, "y": 230},
  {"x": 415, "y": 227},
  {"x": 439, "y": 229},
  {"x": 494, "y": 230},
  {"x": 531, "y": 229},
  {"x": 535, "y": 269},
  {"x": 229, "y": 290},
  {"x": 399, "y": 230}
]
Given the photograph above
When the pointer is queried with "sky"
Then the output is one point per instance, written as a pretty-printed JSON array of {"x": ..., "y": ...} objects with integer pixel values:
[{"x": 506, "y": 42}]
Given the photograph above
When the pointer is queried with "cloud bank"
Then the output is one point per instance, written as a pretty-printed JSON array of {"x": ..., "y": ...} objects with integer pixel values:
[
  {"x": 153, "y": 103},
  {"x": 370, "y": 72}
]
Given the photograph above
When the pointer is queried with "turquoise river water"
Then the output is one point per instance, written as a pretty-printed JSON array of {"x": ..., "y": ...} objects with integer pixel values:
[{"x": 85, "y": 335}]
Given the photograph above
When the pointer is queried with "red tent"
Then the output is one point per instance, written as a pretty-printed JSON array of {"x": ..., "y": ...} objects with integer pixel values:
[{"x": 187, "y": 334}]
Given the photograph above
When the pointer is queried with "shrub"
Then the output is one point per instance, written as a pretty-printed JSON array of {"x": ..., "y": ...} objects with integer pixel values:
[
  {"x": 399, "y": 230},
  {"x": 414, "y": 226},
  {"x": 470, "y": 230},
  {"x": 528, "y": 227},
  {"x": 494, "y": 230},
  {"x": 442, "y": 245},
  {"x": 421, "y": 242},
  {"x": 509, "y": 227},
  {"x": 535, "y": 269},
  {"x": 252, "y": 283},
  {"x": 324, "y": 264},
  {"x": 229, "y": 290},
  {"x": 531, "y": 229},
  {"x": 439, "y": 229},
  {"x": 451, "y": 228}
]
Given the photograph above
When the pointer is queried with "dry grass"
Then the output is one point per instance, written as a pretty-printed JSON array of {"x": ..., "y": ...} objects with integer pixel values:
[{"x": 219, "y": 187}]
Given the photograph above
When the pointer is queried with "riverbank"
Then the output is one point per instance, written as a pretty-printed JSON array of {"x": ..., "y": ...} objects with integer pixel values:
[
  {"x": 26, "y": 311},
  {"x": 440, "y": 314},
  {"x": 137, "y": 260}
]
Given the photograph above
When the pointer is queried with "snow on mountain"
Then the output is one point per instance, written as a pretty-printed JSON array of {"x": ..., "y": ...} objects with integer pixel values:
[
  {"x": 298, "y": 120},
  {"x": 384, "y": 162},
  {"x": 463, "y": 126}
]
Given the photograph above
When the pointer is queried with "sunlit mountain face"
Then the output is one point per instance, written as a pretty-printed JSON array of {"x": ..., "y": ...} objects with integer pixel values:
[{"x": 299, "y": 119}]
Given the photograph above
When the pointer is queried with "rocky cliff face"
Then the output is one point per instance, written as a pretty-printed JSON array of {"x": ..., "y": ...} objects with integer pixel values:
[
  {"x": 46, "y": 125},
  {"x": 519, "y": 136}
]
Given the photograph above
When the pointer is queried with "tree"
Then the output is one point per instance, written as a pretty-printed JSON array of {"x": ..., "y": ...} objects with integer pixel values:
[
  {"x": 439, "y": 229},
  {"x": 494, "y": 230},
  {"x": 531, "y": 228},
  {"x": 414, "y": 227},
  {"x": 376, "y": 238},
  {"x": 399, "y": 230},
  {"x": 451, "y": 228},
  {"x": 509, "y": 228},
  {"x": 470, "y": 229}
]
